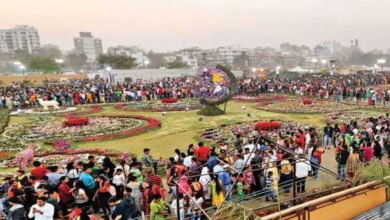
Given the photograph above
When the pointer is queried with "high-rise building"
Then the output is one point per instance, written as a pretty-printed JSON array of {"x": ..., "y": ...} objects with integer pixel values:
[
  {"x": 90, "y": 46},
  {"x": 22, "y": 37}
]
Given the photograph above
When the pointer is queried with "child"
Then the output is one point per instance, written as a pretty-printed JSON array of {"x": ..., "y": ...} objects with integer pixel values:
[
  {"x": 240, "y": 189},
  {"x": 119, "y": 180},
  {"x": 269, "y": 182},
  {"x": 195, "y": 205},
  {"x": 181, "y": 206}
]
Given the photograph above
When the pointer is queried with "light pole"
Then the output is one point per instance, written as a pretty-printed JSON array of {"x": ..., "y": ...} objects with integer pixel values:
[
  {"x": 146, "y": 63},
  {"x": 254, "y": 71},
  {"x": 108, "y": 70},
  {"x": 278, "y": 68},
  {"x": 59, "y": 62},
  {"x": 22, "y": 67},
  {"x": 314, "y": 61},
  {"x": 381, "y": 63}
]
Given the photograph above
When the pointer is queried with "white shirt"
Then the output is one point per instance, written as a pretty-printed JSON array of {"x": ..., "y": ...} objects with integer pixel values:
[
  {"x": 302, "y": 169},
  {"x": 47, "y": 209},
  {"x": 118, "y": 180},
  {"x": 187, "y": 161}
]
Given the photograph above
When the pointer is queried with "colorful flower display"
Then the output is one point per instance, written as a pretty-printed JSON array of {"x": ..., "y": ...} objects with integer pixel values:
[
  {"x": 64, "y": 110},
  {"x": 347, "y": 117},
  {"x": 260, "y": 98},
  {"x": 270, "y": 129},
  {"x": 307, "y": 101},
  {"x": 299, "y": 107},
  {"x": 98, "y": 128},
  {"x": 157, "y": 106}
]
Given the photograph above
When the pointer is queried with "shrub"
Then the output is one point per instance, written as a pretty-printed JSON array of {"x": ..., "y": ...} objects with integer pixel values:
[{"x": 211, "y": 110}]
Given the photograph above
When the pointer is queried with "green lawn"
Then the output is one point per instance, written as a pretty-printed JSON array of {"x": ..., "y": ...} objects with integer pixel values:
[{"x": 181, "y": 128}]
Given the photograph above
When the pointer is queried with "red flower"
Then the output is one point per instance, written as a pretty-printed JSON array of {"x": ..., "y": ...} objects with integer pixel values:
[
  {"x": 307, "y": 101},
  {"x": 76, "y": 121},
  {"x": 268, "y": 125},
  {"x": 168, "y": 100}
]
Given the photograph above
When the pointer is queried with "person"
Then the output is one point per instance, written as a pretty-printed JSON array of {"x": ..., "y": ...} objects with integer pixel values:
[
  {"x": 285, "y": 174},
  {"x": 328, "y": 136},
  {"x": 225, "y": 178},
  {"x": 205, "y": 180},
  {"x": 269, "y": 185},
  {"x": 302, "y": 171},
  {"x": 342, "y": 158},
  {"x": 16, "y": 212},
  {"x": 240, "y": 188},
  {"x": 135, "y": 171},
  {"x": 135, "y": 191},
  {"x": 118, "y": 181},
  {"x": 147, "y": 160},
  {"x": 157, "y": 210},
  {"x": 353, "y": 163},
  {"x": 217, "y": 194},
  {"x": 65, "y": 193},
  {"x": 132, "y": 202},
  {"x": 89, "y": 184},
  {"x": 21, "y": 178},
  {"x": 38, "y": 171},
  {"x": 202, "y": 153},
  {"x": 42, "y": 210},
  {"x": 103, "y": 193},
  {"x": 181, "y": 206},
  {"x": 79, "y": 194},
  {"x": 195, "y": 206},
  {"x": 121, "y": 209},
  {"x": 54, "y": 176}
]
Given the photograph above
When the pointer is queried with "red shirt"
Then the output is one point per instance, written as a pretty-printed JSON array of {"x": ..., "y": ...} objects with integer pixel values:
[
  {"x": 156, "y": 180},
  {"x": 65, "y": 195},
  {"x": 38, "y": 172},
  {"x": 202, "y": 153}
]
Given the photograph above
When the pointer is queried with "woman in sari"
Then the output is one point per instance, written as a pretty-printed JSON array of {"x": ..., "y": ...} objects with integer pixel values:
[
  {"x": 353, "y": 163},
  {"x": 217, "y": 193}
]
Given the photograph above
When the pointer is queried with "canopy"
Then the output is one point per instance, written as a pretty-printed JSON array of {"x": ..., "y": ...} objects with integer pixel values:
[{"x": 298, "y": 69}]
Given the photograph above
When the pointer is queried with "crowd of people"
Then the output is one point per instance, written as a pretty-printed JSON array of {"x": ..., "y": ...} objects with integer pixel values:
[
  {"x": 346, "y": 87},
  {"x": 78, "y": 92}
]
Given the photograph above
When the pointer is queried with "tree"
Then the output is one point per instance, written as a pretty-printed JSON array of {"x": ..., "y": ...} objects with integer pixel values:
[
  {"x": 177, "y": 64},
  {"x": 43, "y": 64},
  {"x": 76, "y": 60},
  {"x": 156, "y": 60},
  {"x": 117, "y": 61},
  {"x": 22, "y": 56},
  {"x": 241, "y": 61},
  {"x": 47, "y": 52}
]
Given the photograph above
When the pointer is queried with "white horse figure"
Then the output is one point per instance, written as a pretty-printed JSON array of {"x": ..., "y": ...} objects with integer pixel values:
[{"x": 45, "y": 104}]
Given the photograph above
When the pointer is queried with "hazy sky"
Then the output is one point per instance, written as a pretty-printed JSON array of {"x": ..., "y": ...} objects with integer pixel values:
[{"x": 172, "y": 24}]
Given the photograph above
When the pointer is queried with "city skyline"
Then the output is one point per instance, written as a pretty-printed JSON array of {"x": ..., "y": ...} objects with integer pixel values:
[{"x": 166, "y": 25}]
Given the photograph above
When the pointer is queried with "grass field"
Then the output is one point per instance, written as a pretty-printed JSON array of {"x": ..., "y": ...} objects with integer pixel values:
[{"x": 182, "y": 128}]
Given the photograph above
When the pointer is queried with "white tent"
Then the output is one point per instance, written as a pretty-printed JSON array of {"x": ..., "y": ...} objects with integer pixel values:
[{"x": 298, "y": 69}]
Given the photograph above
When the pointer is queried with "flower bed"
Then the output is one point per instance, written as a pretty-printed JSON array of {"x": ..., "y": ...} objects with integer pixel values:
[
  {"x": 228, "y": 132},
  {"x": 99, "y": 127},
  {"x": 64, "y": 110},
  {"x": 168, "y": 100},
  {"x": 260, "y": 98},
  {"x": 347, "y": 117},
  {"x": 299, "y": 107},
  {"x": 159, "y": 106}
]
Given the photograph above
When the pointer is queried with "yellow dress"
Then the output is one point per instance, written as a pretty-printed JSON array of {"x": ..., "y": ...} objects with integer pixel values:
[{"x": 217, "y": 199}]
